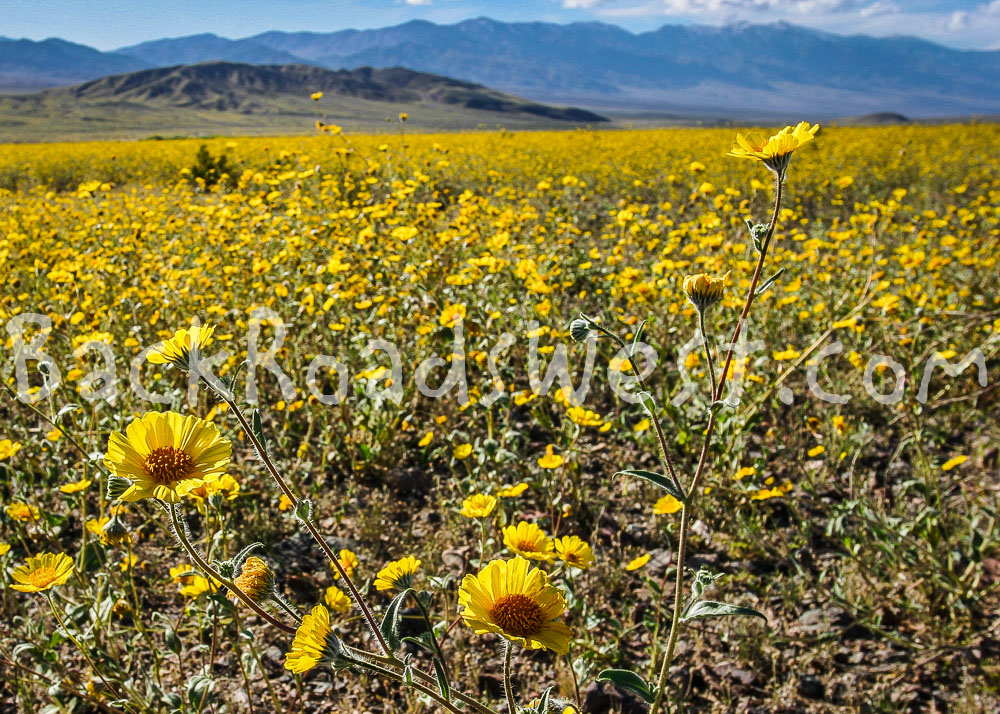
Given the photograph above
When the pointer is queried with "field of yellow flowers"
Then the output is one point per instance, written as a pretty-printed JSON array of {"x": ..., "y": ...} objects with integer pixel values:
[{"x": 851, "y": 490}]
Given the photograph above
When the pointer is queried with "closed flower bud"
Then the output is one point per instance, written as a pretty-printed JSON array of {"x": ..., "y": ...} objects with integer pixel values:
[
  {"x": 114, "y": 531},
  {"x": 704, "y": 290},
  {"x": 579, "y": 329},
  {"x": 117, "y": 486}
]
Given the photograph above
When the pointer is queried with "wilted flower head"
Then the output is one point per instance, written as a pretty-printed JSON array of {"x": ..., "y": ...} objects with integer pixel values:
[
  {"x": 255, "y": 579},
  {"x": 704, "y": 290}
]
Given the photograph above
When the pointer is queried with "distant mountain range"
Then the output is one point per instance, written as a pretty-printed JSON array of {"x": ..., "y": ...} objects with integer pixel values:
[{"x": 740, "y": 69}]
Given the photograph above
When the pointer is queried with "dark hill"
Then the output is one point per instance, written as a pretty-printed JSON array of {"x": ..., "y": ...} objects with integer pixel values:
[{"x": 228, "y": 86}]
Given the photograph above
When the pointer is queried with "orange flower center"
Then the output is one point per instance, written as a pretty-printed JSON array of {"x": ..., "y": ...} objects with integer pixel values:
[
  {"x": 168, "y": 465},
  {"x": 518, "y": 615},
  {"x": 42, "y": 578}
]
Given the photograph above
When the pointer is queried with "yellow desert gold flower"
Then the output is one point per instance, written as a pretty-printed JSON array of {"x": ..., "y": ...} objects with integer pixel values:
[
  {"x": 667, "y": 505},
  {"x": 8, "y": 448},
  {"x": 550, "y": 460},
  {"x": 529, "y": 540},
  {"x": 584, "y": 417},
  {"x": 775, "y": 151},
  {"x": 166, "y": 455},
  {"x": 314, "y": 643},
  {"x": 192, "y": 584},
  {"x": 348, "y": 561},
  {"x": 177, "y": 350},
  {"x": 574, "y": 551},
  {"x": 478, "y": 505},
  {"x": 462, "y": 451},
  {"x": 76, "y": 486},
  {"x": 513, "y": 491},
  {"x": 637, "y": 563},
  {"x": 953, "y": 462},
  {"x": 451, "y": 314},
  {"x": 225, "y": 488},
  {"x": 316, "y": 96},
  {"x": 515, "y": 601},
  {"x": 704, "y": 290},
  {"x": 256, "y": 579},
  {"x": 397, "y": 575},
  {"x": 23, "y": 512},
  {"x": 4, "y": 549},
  {"x": 42, "y": 572},
  {"x": 337, "y": 600}
]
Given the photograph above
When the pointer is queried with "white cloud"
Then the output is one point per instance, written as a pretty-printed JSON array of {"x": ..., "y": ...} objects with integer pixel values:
[
  {"x": 417, "y": 2},
  {"x": 880, "y": 7},
  {"x": 958, "y": 21}
]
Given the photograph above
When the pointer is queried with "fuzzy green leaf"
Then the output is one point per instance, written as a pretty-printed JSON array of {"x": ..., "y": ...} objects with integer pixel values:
[
  {"x": 660, "y": 480},
  {"x": 629, "y": 682},
  {"x": 390, "y": 621},
  {"x": 710, "y": 608}
]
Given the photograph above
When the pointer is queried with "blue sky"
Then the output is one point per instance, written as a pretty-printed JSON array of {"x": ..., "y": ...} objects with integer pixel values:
[{"x": 108, "y": 24}]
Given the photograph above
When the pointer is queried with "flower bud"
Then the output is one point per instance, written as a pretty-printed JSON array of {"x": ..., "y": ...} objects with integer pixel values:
[
  {"x": 704, "y": 290},
  {"x": 114, "y": 531},
  {"x": 256, "y": 579},
  {"x": 117, "y": 486},
  {"x": 579, "y": 329}
]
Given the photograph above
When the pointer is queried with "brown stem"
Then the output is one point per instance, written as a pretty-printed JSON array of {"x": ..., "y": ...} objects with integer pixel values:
[
  {"x": 215, "y": 575},
  {"x": 692, "y": 492},
  {"x": 317, "y": 536}
]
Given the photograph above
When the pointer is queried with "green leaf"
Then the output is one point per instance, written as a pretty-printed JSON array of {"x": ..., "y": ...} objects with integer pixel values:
[
  {"x": 199, "y": 690},
  {"x": 660, "y": 480},
  {"x": 390, "y": 621},
  {"x": 442, "y": 680},
  {"x": 710, "y": 608},
  {"x": 543, "y": 703},
  {"x": 423, "y": 641},
  {"x": 629, "y": 682},
  {"x": 768, "y": 283},
  {"x": 635, "y": 340},
  {"x": 304, "y": 510},
  {"x": 258, "y": 431}
]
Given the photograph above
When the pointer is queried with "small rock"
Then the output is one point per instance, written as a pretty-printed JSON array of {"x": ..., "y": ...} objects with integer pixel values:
[
  {"x": 811, "y": 687},
  {"x": 739, "y": 675}
]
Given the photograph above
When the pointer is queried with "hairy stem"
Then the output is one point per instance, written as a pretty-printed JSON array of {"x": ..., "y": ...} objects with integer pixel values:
[
  {"x": 692, "y": 492},
  {"x": 508, "y": 689},
  {"x": 317, "y": 536},
  {"x": 178, "y": 529}
]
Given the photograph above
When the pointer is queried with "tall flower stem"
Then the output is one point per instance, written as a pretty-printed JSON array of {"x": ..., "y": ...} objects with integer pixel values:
[
  {"x": 310, "y": 526},
  {"x": 508, "y": 689},
  {"x": 420, "y": 674},
  {"x": 179, "y": 531},
  {"x": 708, "y": 350},
  {"x": 389, "y": 674},
  {"x": 692, "y": 492},
  {"x": 79, "y": 646}
]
